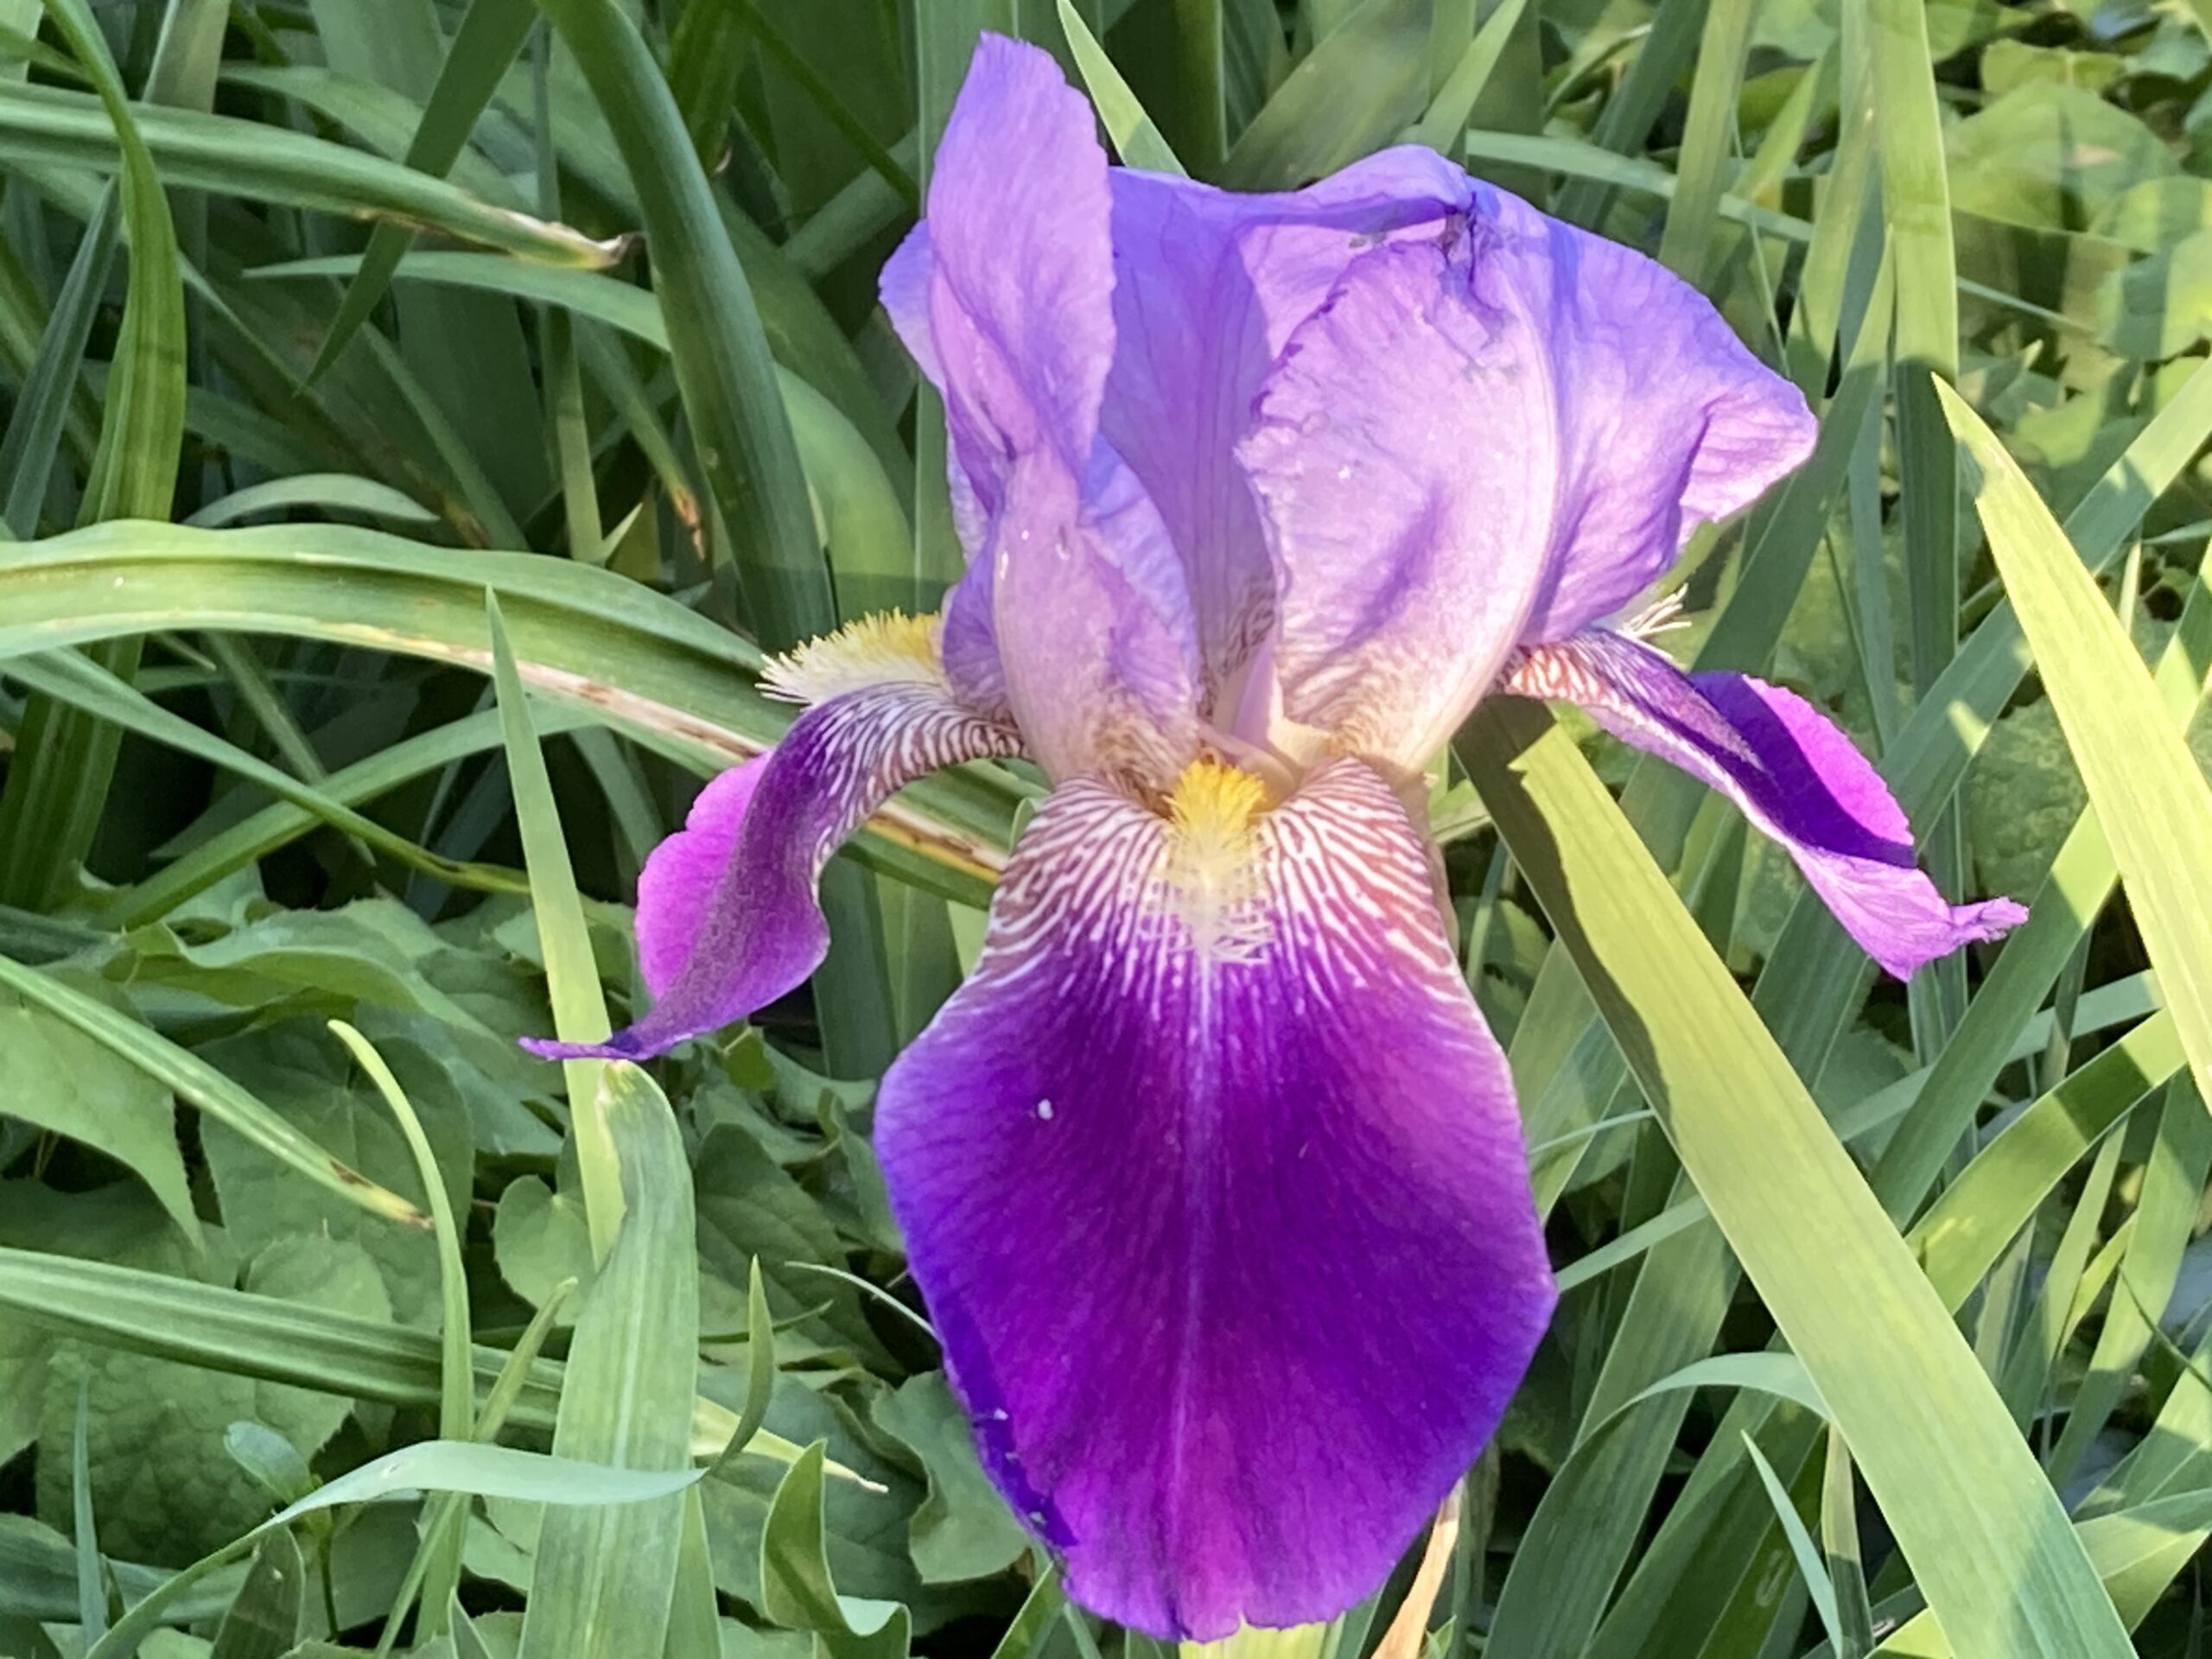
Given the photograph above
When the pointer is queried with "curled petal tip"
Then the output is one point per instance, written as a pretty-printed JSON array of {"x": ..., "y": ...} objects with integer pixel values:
[
  {"x": 1974, "y": 924},
  {"x": 1796, "y": 776}
]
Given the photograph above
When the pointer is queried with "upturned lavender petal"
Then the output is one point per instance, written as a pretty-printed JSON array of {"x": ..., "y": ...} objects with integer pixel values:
[
  {"x": 1226, "y": 1227},
  {"x": 1791, "y": 772},
  {"x": 1005, "y": 294},
  {"x": 1209, "y": 285},
  {"x": 1404, "y": 456},
  {"x": 727, "y": 920},
  {"x": 1489, "y": 436},
  {"x": 1665, "y": 419}
]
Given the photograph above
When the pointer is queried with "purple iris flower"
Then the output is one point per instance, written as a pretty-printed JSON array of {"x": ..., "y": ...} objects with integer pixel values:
[{"x": 1212, "y": 1172}]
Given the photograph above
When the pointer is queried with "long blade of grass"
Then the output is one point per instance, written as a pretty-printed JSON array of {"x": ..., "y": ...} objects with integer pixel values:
[
  {"x": 489, "y": 39},
  {"x": 1686, "y": 246},
  {"x": 723, "y": 370},
  {"x": 571, "y": 975},
  {"x": 43, "y": 401},
  {"x": 276, "y": 1340},
  {"x": 1137, "y": 139},
  {"x": 57, "y": 787},
  {"x": 580, "y": 634},
  {"x": 2149, "y": 794},
  {"x": 431, "y": 1466},
  {"x": 81, "y": 683},
  {"x": 227, "y": 156},
  {"x": 1984, "y": 1532},
  {"x": 194, "y": 1080},
  {"x": 606, "y": 1577}
]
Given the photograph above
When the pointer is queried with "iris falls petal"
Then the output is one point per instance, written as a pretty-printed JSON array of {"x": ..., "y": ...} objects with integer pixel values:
[
  {"x": 1212, "y": 1179},
  {"x": 727, "y": 920},
  {"x": 1790, "y": 771}
]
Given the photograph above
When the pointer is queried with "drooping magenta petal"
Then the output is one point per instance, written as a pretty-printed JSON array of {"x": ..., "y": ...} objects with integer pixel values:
[
  {"x": 1005, "y": 297},
  {"x": 1792, "y": 773},
  {"x": 1402, "y": 455},
  {"x": 684, "y": 870},
  {"x": 1209, "y": 285},
  {"x": 727, "y": 920},
  {"x": 1218, "y": 1199}
]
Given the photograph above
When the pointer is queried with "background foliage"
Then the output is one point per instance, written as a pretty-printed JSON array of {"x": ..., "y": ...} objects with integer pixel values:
[{"x": 392, "y": 535}]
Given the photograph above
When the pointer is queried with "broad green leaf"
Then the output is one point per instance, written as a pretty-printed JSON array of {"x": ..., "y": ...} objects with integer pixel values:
[
  {"x": 2053, "y": 156},
  {"x": 796, "y": 1588},
  {"x": 166, "y": 1487},
  {"x": 58, "y": 1077},
  {"x": 964, "y": 1529},
  {"x": 2160, "y": 306},
  {"x": 194, "y": 1080}
]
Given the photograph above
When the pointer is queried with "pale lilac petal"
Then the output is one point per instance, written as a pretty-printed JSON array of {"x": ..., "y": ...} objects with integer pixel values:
[
  {"x": 903, "y": 285},
  {"x": 1404, "y": 457},
  {"x": 1219, "y": 1199},
  {"x": 727, "y": 920},
  {"x": 1485, "y": 437},
  {"x": 1792, "y": 773},
  {"x": 1006, "y": 297},
  {"x": 1666, "y": 420},
  {"x": 1209, "y": 285}
]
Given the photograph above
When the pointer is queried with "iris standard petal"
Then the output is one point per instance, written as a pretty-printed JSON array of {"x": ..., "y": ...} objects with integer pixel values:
[
  {"x": 727, "y": 920},
  {"x": 1491, "y": 437},
  {"x": 1074, "y": 615},
  {"x": 1665, "y": 419},
  {"x": 1403, "y": 456},
  {"x": 1209, "y": 286},
  {"x": 1211, "y": 1176},
  {"x": 1789, "y": 769}
]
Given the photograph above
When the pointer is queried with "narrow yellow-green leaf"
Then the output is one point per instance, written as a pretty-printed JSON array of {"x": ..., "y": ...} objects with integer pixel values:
[
  {"x": 2149, "y": 792},
  {"x": 1985, "y": 1535},
  {"x": 571, "y": 974},
  {"x": 1136, "y": 136}
]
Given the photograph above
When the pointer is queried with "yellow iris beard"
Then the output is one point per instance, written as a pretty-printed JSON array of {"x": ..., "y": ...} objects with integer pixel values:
[
  {"x": 1213, "y": 859},
  {"x": 884, "y": 646}
]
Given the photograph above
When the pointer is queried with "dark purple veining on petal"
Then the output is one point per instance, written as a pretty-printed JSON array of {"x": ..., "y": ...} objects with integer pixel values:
[
  {"x": 1789, "y": 769},
  {"x": 728, "y": 917},
  {"x": 1240, "y": 1241}
]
